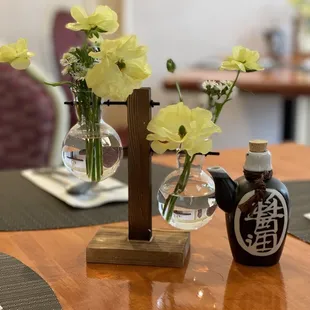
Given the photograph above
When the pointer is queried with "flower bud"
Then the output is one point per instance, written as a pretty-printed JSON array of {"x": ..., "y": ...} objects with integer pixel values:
[{"x": 171, "y": 65}]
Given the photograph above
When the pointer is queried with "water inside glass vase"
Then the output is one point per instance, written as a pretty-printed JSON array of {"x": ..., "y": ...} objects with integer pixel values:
[{"x": 195, "y": 206}]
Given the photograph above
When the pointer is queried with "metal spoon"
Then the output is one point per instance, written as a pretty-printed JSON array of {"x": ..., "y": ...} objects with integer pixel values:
[{"x": 81, "y": 188}]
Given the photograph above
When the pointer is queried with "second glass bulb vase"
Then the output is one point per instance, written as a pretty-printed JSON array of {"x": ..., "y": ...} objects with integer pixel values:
[{"x": 195, "y": 205}]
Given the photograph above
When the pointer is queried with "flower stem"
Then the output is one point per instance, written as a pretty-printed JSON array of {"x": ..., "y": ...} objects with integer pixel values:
[
  {"x": 179, "y": 91},
  {"x": 219, "y": 106},
  {"x": 88, "y": 110},
  {"x": 179, "y": 188}
]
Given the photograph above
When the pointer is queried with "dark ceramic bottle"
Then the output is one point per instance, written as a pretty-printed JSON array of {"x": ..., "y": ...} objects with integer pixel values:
[{"x": 257, "y": 208}]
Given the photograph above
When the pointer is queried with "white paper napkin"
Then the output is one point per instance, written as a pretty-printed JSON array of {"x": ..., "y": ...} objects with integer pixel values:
[
  {"x": 107, "y": 191},
  {"x": 307, "y": 216}
]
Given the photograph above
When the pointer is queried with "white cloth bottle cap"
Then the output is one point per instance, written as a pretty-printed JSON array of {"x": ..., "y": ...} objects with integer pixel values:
[{"x": 258, "y": 159}]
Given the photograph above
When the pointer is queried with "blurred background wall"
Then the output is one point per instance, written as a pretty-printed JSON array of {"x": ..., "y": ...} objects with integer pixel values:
[
  {"x": 33, "y": 19},
  {"x": 193, "y": 31},
  {"x": 187, "y": 31}
]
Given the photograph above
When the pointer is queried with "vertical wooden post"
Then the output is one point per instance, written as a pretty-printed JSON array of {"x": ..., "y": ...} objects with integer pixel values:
[{"x": 139, "y": 166}]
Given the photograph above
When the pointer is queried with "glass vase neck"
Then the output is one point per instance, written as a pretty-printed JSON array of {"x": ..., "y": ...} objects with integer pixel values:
[
  {"x": 88, "y": 114},
  {"x": 197, "y": 162},
  {"x": 87, "y": 106}
]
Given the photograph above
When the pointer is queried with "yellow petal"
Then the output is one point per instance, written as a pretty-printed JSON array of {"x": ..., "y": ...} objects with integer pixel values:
[
  {"x": 105, "y": 19},
  {"x": 156, "y": 126},
  {"x": 95, "y": 75},
  {"x": 21, "y": 45},
  {"x": 107, "y": 81},
  {"x": 238, "y": 53},
  {"x": 202, "y": 146},
  {"x": 77, "y": 26},
  {"x": 20, "y": 63},
  {"x": 78, "y": 13},
  {"x": 201, "y": 115},
  {"x": 253, "y": 67},
  {"x": 240, "y": 66},
  {"x": 138, "y": 70},
  {"x": 228, "y": 65},
  {"x": 252, "y": 56},
  {"x": 161, "y": 148},
  {"x": 30, "y": 54},
  {"x": 7, "y": 53},
  {"x": 158, "y": 147},
  {"x": 153, "y": 137}
]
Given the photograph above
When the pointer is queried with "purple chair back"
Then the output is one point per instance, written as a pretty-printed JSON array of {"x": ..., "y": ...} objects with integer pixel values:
[{"x": 27, "y": 120}]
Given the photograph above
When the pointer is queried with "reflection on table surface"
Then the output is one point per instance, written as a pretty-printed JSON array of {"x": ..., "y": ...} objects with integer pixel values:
[{"x": 202, "y": 284}]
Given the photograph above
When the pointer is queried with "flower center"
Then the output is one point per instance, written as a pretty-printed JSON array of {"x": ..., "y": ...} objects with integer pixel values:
[
  {"x": 121, "y": 64},
  {"x": 182, "y": 131}
]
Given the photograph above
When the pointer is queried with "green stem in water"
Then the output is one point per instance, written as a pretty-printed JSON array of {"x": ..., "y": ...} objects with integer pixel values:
[
  {"x": 179, "y": 188},
  {"x": 219, "y": 106},
  {"x": 89, "y": 117}
]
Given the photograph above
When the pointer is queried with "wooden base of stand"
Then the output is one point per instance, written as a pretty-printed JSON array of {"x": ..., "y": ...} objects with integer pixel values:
[{"x": 168, "y": 248}]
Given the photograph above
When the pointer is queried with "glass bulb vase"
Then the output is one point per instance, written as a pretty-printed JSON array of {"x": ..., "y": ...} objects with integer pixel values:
[
  {"x": 92, "y": 149},
  {"x": 194, "y": 205}
]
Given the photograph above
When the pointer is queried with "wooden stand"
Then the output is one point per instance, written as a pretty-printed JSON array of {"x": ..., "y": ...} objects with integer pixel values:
[
  {"x": 139, "y": 245},
  {"x": 168, "y": 248}
]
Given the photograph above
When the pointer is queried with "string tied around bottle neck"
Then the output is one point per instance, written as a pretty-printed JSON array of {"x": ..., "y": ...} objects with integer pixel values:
[{"x": 258, "y": 179}]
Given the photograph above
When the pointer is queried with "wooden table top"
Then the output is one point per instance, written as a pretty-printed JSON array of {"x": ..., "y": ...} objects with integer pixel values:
[
  {"x": 286, "y": 82},
  {"x": 210, "y": 279}
]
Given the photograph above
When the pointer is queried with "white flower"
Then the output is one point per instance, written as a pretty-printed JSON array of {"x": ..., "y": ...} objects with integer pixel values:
[
  {"x": 79, "y": 72},
  {"x": 216, "y": 89},
  {"x": 224, "y": 85},
  {"x": 65, "y": 71},
  {"x": 68, "y": 59},
  {"x": 209, "y": 84}
]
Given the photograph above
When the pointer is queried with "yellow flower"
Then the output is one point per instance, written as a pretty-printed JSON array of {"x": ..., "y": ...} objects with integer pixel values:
[
  {"x": 178, "y": 127},
  {"x": 201, "y": 129},
  {"x": 243, "y": 59},
  {"x": 165, "y": 127},
  {"x": 16, "y": 54},
  {"x": 103, "y": 19},
  {"x": 296, "y": 2},
  {"x": 305, "y": 9},
  {"x": 121, "y": 68}
]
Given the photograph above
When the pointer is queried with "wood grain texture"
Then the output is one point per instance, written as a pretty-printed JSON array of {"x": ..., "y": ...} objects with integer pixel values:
[
  {"x": 286, "y": 82},
  {"x": 209, "y": 280},
  {"x": 139, "y": 165},
  {"x": 167, "y": 248}
]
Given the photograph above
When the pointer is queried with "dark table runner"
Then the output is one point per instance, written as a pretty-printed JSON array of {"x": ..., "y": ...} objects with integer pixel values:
[
  {"x": 23, "y": 206},
  {"x": 300, "y": 204},
  {"x": 22, "y": 289}
]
